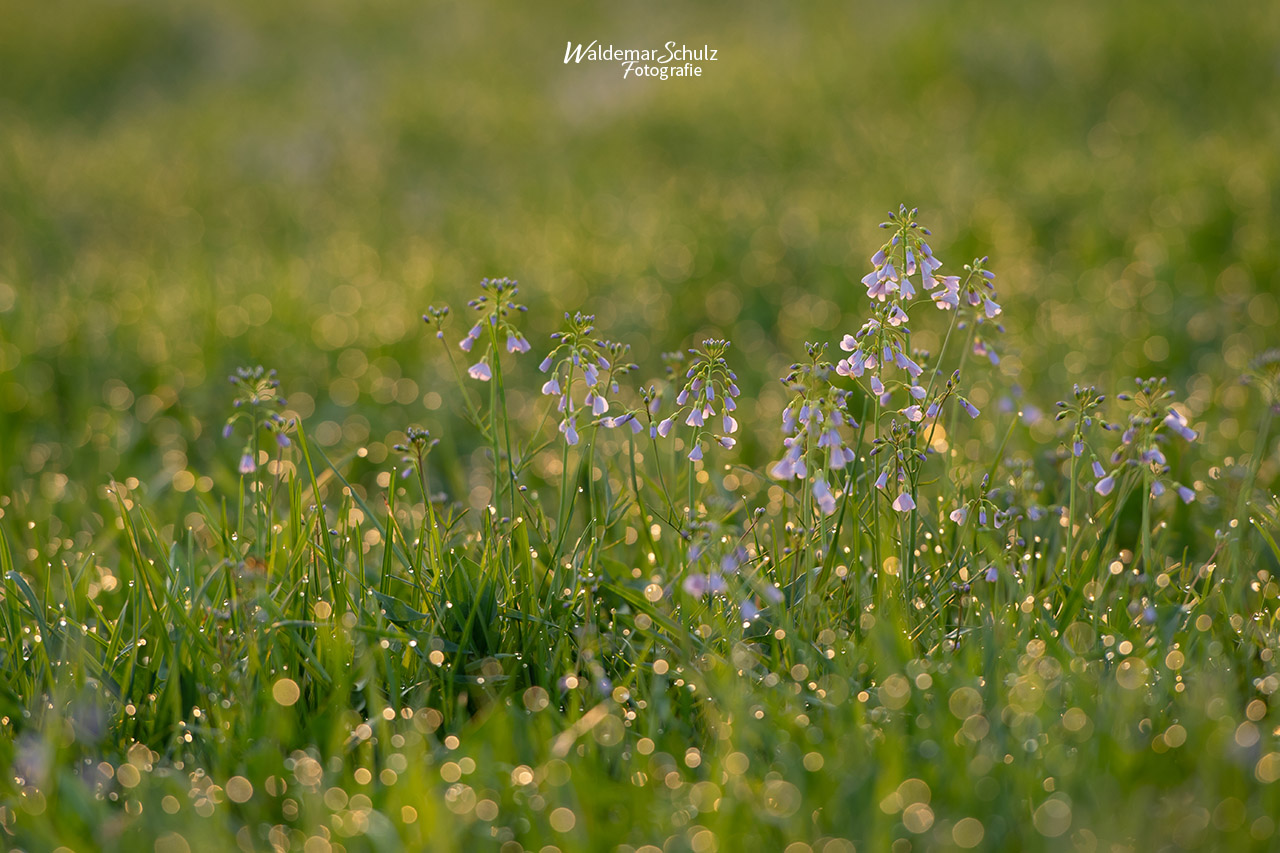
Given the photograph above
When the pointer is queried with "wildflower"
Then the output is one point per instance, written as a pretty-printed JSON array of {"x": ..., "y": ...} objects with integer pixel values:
[
  {"x": 579, "y": 355},
  {"x": 811, "y": 425},
  {"x": 959, "y": 515},
  {"x": 480, "y": 371},
  {"x": 247, "y": 463},
  {"x": 822, "y": 494},
  {"x": 1177, "y": 422},
  {"x": 516, "y": 342},
  {"x": 700, "y": 585},
  {"x": 570, "y": 430},
  {"x": 1105, "y": 485},
  {"x": 904, "y": 503},
  {"x": 710, "y": 392},
  {"x": 969, "y": 408}
]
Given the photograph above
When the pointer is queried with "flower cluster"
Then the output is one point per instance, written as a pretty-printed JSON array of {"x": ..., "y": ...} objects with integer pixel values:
[
  {"x": 257, "y": 400},
  {"x": 709, "y": 398},
  {"x": 811, "y": 425},
  {"x": 901, "y": 459},
  {"x": 417, "y": 446},
  {"x": 720, "y": 565},
  {"x": 1140, "y": 443},
  {"x": 1083, "y": 411},
  {"x": 597, "y": 363},
  {"x": 497, "y": 307}
]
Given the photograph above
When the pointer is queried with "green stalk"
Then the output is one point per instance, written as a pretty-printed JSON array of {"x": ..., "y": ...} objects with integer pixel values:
[{"x": 1246, "y": 487}]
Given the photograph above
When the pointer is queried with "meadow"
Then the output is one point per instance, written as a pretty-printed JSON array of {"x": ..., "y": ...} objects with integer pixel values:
[{"x": 594, "y": 474}]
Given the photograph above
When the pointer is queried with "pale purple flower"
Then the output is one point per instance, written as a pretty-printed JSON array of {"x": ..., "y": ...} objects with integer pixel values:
[
  {"x": 729, "y": 423},
  {"x": 694, "y": 418},
  {"x": 696, "y": 453},
  {"x": 1105, "y": 485},
  {"x": 841, "y": 456},
  {"x": 913, "y": 369},
  {"x": 545, "y": 365},
  {"x": 700, "y": 585},
  {"x": 1098, "y": 470},
  {"x": 822, "y": 494},
  {"x": 959, "y": 515},
  {"x": 883, "y": 479},
  {"x": 1077, "y": 448},
  {"x": 226, "y": 431},
  {"x": 783, "y": 469},
  {"x": 517, "y": 343},
  {"x": 904, "y": 503},
  {"x": 480, "y": 371},
  {"x": 569, "y": 428},
  {"x": 551, "y": 387},
  {"x": 247, "y": 465},
  {"x": 1186, "y": 494},
  {"x": 1177, "y": 422},
  {"x": 968, "y": 407},
  {"x": 913, "y": 413},
  {"x": 664, "y": 427},
  {"x": 946, "y": 299}
]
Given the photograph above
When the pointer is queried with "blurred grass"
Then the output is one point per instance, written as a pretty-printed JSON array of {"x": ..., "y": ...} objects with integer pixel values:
[{"x": 186, "y": 190}]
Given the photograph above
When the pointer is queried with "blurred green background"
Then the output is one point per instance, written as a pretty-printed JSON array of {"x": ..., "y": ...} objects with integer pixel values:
[{"x": 185, "y": 188}]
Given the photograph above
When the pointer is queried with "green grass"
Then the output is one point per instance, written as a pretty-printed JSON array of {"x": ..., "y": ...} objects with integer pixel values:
[{"x": 508, "y": 648}]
